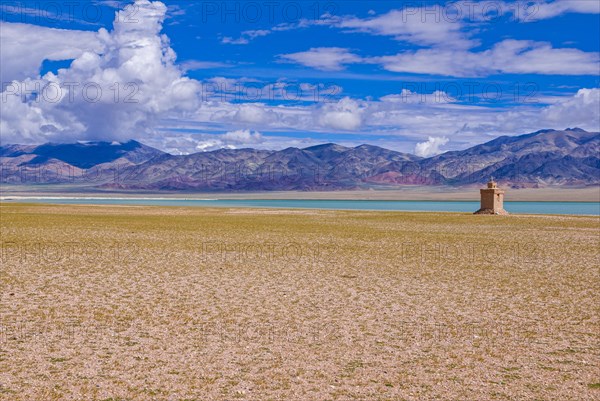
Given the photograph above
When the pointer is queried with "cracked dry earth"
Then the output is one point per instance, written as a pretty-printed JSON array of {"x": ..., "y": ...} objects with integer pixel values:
[{"x": 157, "y": 303}]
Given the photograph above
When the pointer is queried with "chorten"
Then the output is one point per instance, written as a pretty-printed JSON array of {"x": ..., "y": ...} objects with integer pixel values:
[{"x": 492, "y": 199}]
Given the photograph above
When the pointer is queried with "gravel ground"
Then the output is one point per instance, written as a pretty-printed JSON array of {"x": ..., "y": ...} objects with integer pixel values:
[{"x": 156, "y": 303}]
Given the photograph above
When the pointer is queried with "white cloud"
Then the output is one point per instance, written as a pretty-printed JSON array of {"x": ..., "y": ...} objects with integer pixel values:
[
  {"x": 185, "y": 143},
  {"x": 344, "y": 115},
  {"x": 246, "y": 37},
  {"x": 25, "y": 47},
  {"x": 408, "y": 96},
  {"x": 582, "y": 110},
  {"x": 231, "y": 41},
  {"x": 230, "y": 140},
  {"x": 392, "y": 122},
  {"x": 244, "y": 136},
  {"x": 253, "y": 114},
  {"x": 131, "y": 82},
  {"x": 417, "y": 23},
  {"x": 323, "y": 58},
  {"x": 193, "y": 65},
  {"x": 431, "y": 147},
  {"x": 541, "y": 9},
  {"x": 423, "y": 26},
  {"x": 529, "y": 57},
  {"x": 508, "y": 56}
]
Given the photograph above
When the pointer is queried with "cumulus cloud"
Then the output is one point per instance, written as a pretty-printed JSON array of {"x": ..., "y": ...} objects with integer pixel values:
[
  {"x": 116, "y": 93},
  {"x": 230, "y": 140},
  {"x": 25, "y": 47},
  {"x": 345, "y": 115},
  {"x": 244, "y": 136},
  {"x": 323, "y": 58},
  {"x": 431, "y": 147},
  {"x": 582, "y": 110},
  {"x": 255, "y": 114}
]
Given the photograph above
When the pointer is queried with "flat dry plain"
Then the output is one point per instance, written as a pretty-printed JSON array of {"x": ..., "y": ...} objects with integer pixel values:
[{"x": 157, "y": 303}]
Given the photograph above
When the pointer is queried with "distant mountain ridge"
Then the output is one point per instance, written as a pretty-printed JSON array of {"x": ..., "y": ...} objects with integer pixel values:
[
  {"x": 84, "y": 154},
  {"x": 545, "y": 157}
]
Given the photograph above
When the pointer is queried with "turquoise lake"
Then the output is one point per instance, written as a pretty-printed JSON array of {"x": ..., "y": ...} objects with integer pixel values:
[{"x": 572, "y": 208}]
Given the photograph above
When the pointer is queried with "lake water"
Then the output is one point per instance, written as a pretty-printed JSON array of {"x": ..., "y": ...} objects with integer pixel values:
[{"x": 573, "y": 208}]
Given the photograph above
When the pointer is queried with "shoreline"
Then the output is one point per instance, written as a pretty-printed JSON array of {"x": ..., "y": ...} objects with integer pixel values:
[
  {"x": 283, "y": 208},
  {"x": 414, "y": 193},
  {"x": 15, "y": 199}
]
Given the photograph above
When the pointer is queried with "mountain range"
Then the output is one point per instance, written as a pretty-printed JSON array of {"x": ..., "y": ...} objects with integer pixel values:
[{"x": 546, "y": 157}]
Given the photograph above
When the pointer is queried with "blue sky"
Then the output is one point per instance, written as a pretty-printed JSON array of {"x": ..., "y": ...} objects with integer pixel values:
[{"x": 418, "y": 76}]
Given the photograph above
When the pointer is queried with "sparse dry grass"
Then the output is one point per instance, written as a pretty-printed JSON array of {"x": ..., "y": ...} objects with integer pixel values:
[{"x": 152, "y": 303}]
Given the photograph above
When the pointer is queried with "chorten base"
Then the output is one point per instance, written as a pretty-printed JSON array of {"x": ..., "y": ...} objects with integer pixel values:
[{"x": 500, "y": 212}]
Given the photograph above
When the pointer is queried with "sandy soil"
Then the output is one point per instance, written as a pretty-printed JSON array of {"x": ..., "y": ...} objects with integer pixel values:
[
  {"x": 560, "y": 194},
  {"x": 156, "y": 303}
]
